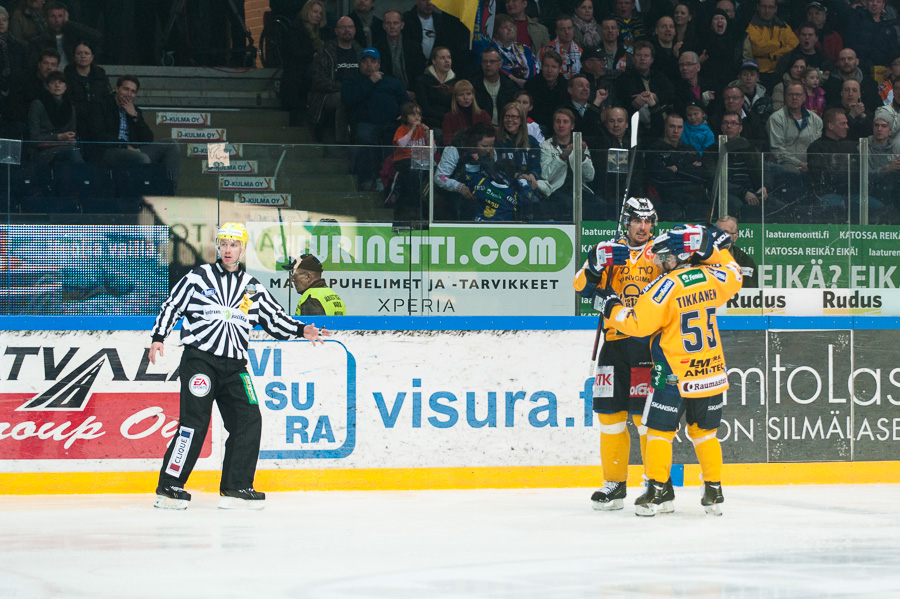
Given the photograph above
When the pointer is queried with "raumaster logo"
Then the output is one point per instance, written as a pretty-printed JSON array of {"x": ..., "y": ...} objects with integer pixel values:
[
  {"x": 706, "y": 384},
  {"x": 86, "y": 405}
]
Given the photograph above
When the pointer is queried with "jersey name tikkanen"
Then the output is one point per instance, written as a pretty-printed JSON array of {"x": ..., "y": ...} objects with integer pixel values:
[{"x": 678, "y": 312}]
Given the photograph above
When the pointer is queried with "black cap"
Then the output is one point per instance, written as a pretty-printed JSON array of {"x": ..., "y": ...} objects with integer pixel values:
[
  {"x": 306, "y": 262},
  {"x": 817, "y": 5},
  {"x": 592, "y": 53},
  {"x": 696, "y": 103}
]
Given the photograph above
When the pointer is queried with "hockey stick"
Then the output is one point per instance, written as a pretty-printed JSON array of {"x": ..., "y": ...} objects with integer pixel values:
[
  {"x": 717, "y": 180},
  {"x": 286, "y": 263},
  {"x": 286, "y": 259},
  {"x": 632, "y": 158}
]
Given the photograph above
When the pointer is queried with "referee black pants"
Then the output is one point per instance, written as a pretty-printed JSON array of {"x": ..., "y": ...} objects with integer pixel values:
[{"x": 205, "y": 379}]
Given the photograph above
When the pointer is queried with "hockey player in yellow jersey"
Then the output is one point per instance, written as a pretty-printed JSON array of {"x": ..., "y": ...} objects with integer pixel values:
[
  {"x": 678, "y": 311},
  {"x": 622, "y": 372}
]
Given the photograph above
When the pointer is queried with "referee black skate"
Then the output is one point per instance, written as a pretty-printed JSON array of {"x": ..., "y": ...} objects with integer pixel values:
[{"x": 221, "y": 304}]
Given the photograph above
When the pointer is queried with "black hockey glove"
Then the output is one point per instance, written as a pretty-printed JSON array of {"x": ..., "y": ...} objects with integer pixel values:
[
  {"x": 605, "y": 300},
  {"x": 720, "y": 239}
]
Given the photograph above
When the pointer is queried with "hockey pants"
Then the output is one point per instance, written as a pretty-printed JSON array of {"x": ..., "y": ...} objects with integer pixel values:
[{"x": 206, "y": 378}]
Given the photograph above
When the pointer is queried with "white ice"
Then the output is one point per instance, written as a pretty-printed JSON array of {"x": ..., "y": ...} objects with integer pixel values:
[{"x": 772, "y": 542}]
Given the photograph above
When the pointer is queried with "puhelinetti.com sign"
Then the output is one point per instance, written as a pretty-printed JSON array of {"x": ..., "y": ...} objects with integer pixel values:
[{"x": 462, "y": 270}]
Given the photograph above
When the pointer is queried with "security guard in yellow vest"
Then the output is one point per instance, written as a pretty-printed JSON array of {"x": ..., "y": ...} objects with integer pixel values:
[{"x": 316, "y": 298}]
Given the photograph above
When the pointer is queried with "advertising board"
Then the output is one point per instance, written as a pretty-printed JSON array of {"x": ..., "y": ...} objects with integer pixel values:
[
  {"x": 805, "y": 270},
  {"x": 461, "y": 270},
  {"x": 83, "y": 270},
  {"x": 432, "y": 399}
]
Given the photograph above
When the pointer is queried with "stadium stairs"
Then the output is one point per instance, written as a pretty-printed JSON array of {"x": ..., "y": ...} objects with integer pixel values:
[{"x": 245, "y": 103}]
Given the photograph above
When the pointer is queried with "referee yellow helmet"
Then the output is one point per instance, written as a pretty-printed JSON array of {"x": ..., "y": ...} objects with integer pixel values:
[{"x": 233, "y": 231}]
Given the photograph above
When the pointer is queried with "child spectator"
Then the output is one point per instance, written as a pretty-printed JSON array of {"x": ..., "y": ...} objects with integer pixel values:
[
  {"x": 534, "y": 130},
  {"x": 406, "y": 193},
  {"x": 499, "y": 195},
  {"x": 464, "y": 111},
  {"x": 696, "y": 132},
  {"x": 815, "y": 95}
]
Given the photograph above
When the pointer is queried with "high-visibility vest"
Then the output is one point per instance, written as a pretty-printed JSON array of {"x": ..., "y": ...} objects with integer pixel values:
[{"x": 331, "y": 301}]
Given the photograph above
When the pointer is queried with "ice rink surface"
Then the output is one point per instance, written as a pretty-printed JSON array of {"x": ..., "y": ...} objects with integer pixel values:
[{"x": 772, "y": 542}]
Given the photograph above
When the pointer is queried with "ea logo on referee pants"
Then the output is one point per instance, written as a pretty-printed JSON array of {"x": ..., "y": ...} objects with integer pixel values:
[{"x": 199, "y": 385}]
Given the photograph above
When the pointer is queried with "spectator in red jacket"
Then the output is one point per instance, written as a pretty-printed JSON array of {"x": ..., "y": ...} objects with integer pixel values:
[{"x": 828, "y": 41}]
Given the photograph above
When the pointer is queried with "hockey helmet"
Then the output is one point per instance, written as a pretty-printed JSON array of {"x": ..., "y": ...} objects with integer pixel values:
[
  {"x": 638, "y": 208},
  {"x": 235, "y": 231}
]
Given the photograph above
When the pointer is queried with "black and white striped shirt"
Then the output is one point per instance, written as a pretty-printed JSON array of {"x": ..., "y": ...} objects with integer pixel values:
[{"x": 220, "y": 310}]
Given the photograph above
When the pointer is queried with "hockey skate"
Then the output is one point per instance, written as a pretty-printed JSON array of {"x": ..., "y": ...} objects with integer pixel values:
[
  {"x": 241, "y": 499},
  {"x": 657, "y": 499},
  {"x": 610, "y": 497},
  {"x": 172, "y": 498},
  {"x": 712, "y": 498}
]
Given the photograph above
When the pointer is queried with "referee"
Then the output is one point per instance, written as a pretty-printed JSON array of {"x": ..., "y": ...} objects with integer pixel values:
[{"x": 221, "y": 304}]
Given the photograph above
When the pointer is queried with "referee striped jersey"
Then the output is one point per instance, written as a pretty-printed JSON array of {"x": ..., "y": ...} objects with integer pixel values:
[{"x": 220, "y": 308}]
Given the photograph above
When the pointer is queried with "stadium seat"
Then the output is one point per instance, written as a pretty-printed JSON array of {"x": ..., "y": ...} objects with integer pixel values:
[
  {"x": 138, "y": 180},
  {"x": 52, "y": 205},
  {"x": 29, "y": 182},
  {"x": 669, "y": 212},
  {"x": 82, "y": 180},
  {"x": 751, "y": 214},
  {"x": 696, "y": 213}
]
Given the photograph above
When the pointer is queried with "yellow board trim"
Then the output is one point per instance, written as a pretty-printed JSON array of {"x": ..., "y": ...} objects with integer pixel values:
[{"x": 396, "y": 479}]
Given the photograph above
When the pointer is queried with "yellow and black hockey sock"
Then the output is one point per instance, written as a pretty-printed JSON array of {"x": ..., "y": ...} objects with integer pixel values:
[
  {"x": 659, "y": 454},
  {"x": 709, "y": 452},
  {"x": 638, "y": 420},
  {"x": 615, "y": 446}
]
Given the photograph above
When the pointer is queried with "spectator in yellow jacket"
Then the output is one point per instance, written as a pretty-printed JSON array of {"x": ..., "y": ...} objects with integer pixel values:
[{"x": 768, "y": 39}]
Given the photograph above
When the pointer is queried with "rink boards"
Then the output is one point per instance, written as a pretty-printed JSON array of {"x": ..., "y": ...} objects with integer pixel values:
[{"x": 437, "y": 403}]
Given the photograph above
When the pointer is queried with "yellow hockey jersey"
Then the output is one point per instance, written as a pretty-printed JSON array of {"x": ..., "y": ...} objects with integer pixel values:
[
  {"x": 678, "y": 313},
  {"x": 627, "y": 280}
]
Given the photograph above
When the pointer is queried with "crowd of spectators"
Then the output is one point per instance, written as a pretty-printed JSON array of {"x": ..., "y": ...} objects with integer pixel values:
[
  {"x": 57, "y": 98},
  {"x": 787, "y": 82},
  {"x": 73, "y": 116},
  {"x": 801, "y": 80}
]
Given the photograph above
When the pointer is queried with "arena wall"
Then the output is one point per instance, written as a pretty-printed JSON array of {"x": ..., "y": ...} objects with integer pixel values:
[{"x": 436, "y": 403}]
